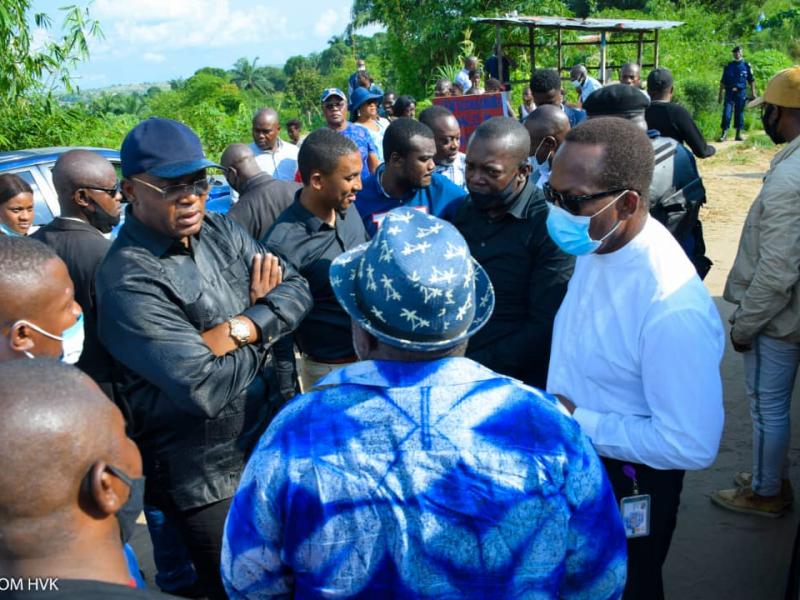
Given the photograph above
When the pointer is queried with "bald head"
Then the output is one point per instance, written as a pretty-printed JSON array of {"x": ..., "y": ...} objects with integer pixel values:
[
  {"x": 265, "y": 114},
  {"x": 56, "y": 424},
  {"x": 78, "y": 169},
  {"x": 240, "y": 165},
  {"x": 631, "y": 74},
  {"x": 578, "y": 73},
  {"x": 548, "y": 121},
  {"x": 266, "y": 127},
  {"x": 507, "y": 134}
]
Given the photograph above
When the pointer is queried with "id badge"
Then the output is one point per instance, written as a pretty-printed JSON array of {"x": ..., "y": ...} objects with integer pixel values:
[{"x": 636, "y": 515}]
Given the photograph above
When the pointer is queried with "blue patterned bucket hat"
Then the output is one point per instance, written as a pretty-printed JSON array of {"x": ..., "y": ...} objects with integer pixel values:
[{"x": 415, "y": 285}]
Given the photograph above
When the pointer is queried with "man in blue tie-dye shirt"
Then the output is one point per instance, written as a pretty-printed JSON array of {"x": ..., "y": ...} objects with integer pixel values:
[{"x": 418, "y": 473}]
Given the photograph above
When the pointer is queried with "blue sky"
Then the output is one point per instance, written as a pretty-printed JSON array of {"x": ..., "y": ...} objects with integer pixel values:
[{"x": 158, "y": 40}]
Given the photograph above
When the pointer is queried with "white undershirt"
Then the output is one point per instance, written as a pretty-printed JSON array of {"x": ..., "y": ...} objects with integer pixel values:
[{"x": 637, "y": 346}]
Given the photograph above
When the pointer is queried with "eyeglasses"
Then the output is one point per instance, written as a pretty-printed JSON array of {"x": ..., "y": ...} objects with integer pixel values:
[
  {"x": 172, "y": 193},
  {"x": 117, "y": 189},
  {"x": 332, "y": 105},
  {"x": 573, "y": 203}
]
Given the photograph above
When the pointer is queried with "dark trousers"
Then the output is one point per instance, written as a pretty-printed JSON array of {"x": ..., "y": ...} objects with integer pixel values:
[
  {"x": 734, "y": 103},
  {"x": 646, "y": 555},
  {"x": 201, "y": 529}
]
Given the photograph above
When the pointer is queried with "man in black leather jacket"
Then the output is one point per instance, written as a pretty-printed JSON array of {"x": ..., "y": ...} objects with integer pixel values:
[{"x": 190, "y": 304}]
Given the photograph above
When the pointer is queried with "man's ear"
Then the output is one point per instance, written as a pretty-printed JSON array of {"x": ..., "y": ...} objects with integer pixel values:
[
  {"x": 316, "y": 180},
  {"x": 20, "y": 338},
  {"x": 81, "y": 198},
  {"x": 127, "y": 191},
  {"x": 105, "y": 492},
  {"x": 629, "y": 205}
]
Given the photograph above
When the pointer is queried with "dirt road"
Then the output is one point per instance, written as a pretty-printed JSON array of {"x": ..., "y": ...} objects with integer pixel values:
[{"x": 716, "y": 554}]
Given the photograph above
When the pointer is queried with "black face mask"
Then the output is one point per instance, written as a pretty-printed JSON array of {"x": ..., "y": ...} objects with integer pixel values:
[
  {"x": 133, "y": 507},
  {"x": 771, "y": 129},
  {"x": 100, "y": 219},
  {"x": 503, "y": 198}
]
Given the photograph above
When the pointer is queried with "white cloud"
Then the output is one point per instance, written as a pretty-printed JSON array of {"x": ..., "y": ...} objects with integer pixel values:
[
  {"x": 330, "y": 22},
  {"x": 160, "y": 25},
  {"x": 153, "y": 57}
]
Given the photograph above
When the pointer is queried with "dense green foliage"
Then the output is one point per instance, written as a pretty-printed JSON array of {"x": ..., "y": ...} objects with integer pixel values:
[{"x": 422, "y": 42}]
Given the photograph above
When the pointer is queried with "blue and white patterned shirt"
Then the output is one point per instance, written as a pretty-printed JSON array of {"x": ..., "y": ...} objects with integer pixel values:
[
  {"x": 437, "y": 479},
  {"x": 455, "y": 171}
]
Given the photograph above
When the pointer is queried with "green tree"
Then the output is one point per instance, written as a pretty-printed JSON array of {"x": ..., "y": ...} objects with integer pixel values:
[
  {"x": 304, "y": 87},
  {"x": 24, "y": 68},
  {"x": 247, "y": 76},
  {"x": 428, "y": 36}
]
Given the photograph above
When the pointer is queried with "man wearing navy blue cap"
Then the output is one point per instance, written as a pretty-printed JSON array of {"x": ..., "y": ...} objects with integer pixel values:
[
  {"x": 334, "y": 109},
  {"x": 418, "y": 473},
  {"x": 190, "y": 304}
]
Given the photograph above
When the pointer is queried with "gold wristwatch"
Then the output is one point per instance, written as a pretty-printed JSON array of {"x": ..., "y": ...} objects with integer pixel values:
[{"x": 239, "y": 331}]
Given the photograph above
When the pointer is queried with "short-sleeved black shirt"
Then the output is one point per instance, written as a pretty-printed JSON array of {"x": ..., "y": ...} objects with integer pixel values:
[{"x": 310, "y": 245}]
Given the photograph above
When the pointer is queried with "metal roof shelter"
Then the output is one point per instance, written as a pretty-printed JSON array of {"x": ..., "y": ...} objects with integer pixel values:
[{"x": 604, "y": 27}]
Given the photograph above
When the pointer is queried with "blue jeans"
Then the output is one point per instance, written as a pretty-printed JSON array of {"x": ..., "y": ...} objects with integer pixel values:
[
  {"x": 173, "y": 563},
  {"x": 734, "y": 103},
  {"x": 770, "y": 370}
]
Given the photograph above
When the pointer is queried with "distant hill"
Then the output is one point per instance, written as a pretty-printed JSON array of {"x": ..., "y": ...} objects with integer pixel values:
[{"x": 112, "y": 90}]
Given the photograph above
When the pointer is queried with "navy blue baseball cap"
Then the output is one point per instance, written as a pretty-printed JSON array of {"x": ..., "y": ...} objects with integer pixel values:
[
  {"x": 328, "y": 92},
  {"x": 163, "y": 148}
]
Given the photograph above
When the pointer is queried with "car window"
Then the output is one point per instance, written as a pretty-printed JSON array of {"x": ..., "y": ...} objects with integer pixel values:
[{"x": 42, "y": 214}]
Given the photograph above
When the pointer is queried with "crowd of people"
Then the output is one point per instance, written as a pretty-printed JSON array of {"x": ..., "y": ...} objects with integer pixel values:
[{"x": 393, "y": 369}]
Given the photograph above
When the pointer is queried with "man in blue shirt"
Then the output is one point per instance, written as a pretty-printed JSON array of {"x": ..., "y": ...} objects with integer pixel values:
[
  {"x": 407, "y": 178},
  {"x": 546, "y": 88},
  {"x": 418, "y": 473},
  {"x": 736, "y": 78},
  {"x": 334, "y": 109}
]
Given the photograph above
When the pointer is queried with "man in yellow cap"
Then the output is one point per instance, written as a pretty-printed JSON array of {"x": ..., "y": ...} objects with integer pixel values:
[{"x": 764, "y": 283}]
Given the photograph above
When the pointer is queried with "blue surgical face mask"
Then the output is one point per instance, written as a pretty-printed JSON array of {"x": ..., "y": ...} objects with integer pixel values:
[
  {"x": 571, "y": 232},
  {"x": 71, "y": 339},
  {"x": 575, "y": 83}
]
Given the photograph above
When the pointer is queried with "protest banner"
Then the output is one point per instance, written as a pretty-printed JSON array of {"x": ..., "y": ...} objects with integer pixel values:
[{"x": 471, "y": 111}]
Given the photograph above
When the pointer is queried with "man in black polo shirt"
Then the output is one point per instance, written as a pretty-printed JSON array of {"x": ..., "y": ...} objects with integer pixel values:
[
  {"x": 89, "y": 197},
  {"x": 261, "y": 197},
  {"x": 190, "y": 305},
  {"x": 321, "y": 224},
  {"x": 504, "y": 223}
]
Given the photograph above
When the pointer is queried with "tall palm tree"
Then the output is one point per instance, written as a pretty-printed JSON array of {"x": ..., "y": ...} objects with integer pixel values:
[{"x": 247, "y": 76}]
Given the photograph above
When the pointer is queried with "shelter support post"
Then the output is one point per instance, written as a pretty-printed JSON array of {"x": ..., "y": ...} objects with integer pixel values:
[
  {"x": 499, "y": 53},
  {"x": 559, "y": 58},
  {"x": 603, "y": 57},
  {"x": 640, "y": 48},
  {"x": 655, "y": 49}
]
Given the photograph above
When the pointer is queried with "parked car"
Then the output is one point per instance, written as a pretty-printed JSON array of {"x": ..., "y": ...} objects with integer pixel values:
[{"x": 35, "y": 167}]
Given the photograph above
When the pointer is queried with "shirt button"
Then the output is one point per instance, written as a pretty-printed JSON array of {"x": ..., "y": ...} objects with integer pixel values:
[{"x": 483, "y": 244}]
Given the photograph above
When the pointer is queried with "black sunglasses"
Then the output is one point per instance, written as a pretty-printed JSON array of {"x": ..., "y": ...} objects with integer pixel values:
[
  {"x": 573, "y": 203},
  {"x": 117, "y": 189}
]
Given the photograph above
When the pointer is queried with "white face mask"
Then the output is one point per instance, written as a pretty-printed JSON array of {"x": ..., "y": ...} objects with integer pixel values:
[
  {"x": 543, "y": 167},
  {"x": 575, "y": 83},
  {"x": 71, "y": 339}
]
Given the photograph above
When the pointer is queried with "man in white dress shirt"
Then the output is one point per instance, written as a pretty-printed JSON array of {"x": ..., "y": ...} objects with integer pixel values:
[
  {"x": 637, "y": 341},
  {"x": 273, "y": 155}
]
